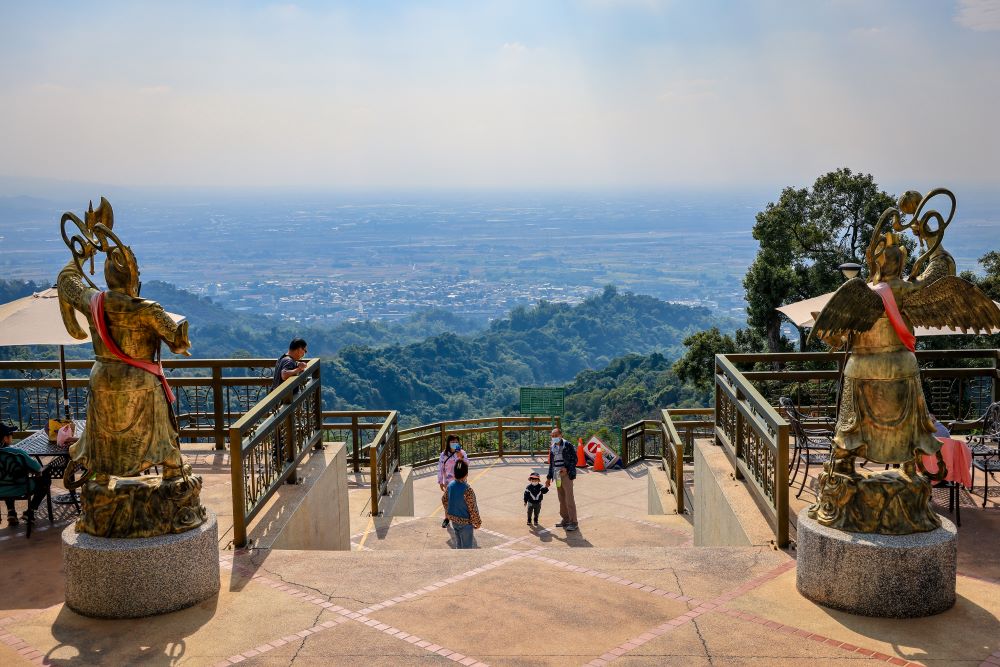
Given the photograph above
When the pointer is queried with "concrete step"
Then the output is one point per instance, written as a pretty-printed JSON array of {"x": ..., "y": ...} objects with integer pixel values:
[{"x": 423, "y": 533}]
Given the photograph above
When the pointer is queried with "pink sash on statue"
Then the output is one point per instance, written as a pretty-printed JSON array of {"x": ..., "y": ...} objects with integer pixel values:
[{"x": 906, "y": 337}]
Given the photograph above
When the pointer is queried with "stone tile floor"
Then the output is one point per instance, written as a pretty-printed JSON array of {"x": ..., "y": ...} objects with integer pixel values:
[{"x": 627, "y": 589}]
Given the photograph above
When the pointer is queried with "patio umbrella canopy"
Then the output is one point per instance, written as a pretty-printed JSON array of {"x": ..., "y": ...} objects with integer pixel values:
[
  {"x": 801, "y": 314},
  {"x": 36, "y": 320}
]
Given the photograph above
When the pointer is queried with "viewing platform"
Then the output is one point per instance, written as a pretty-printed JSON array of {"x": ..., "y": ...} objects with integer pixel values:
[{"x": 631, "y": 586}]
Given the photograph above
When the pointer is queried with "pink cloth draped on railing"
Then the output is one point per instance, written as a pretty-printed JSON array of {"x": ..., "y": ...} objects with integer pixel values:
[{"x": 957, "y": 457}]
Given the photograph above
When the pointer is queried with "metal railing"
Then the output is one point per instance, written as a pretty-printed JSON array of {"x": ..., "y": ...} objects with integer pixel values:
[
  {"x": 755, "y": 439},
  {"x": 211, "y": 393},
  {"x": 959, "y": 385},
  {"x": 269, "y": 441},
  {"x": 488, "y": 436},
  {"x": 383, "y": 453},
  {"x": 351, "y": 427},
  {"x": 641, "y": 440},
  {"x": 680, "y": 428}
]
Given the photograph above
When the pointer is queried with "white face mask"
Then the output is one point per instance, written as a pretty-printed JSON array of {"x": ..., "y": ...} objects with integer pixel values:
[{"x": 556, "y": 441}]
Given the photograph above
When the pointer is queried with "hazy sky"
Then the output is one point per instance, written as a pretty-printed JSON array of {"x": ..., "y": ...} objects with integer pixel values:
[{"x": 577, "y": 94}]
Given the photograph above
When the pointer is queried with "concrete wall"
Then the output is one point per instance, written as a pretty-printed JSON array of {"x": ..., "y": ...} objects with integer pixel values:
[
  {"x": 318, "y": 516},
  {"x": 724, "y": 511},
  {"x": 661, "y": 501}
]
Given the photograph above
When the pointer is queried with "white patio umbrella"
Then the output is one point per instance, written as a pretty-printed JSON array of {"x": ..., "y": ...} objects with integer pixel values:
[
  {"x": 801, "y": 314},
  {"x": 36, "y": 320}
]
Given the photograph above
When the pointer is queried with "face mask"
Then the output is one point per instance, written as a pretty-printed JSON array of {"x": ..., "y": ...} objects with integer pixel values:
[
  {"x": 556, "y": 441},
  {"x": 455, "y": 446}
]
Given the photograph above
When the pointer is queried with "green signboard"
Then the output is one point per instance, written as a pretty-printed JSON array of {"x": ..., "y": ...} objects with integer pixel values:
[{"x": 543, "y": 401}]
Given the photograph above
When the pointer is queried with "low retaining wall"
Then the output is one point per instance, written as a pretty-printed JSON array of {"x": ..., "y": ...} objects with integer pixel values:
[
  {"x": 725, "y": 514},
  {"x": 313, "y": 514}
]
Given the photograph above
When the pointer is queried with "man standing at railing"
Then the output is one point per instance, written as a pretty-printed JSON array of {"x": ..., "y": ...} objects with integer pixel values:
[
  {"x": 562, "y": 468},
  {"x": 290, "y": 364}
]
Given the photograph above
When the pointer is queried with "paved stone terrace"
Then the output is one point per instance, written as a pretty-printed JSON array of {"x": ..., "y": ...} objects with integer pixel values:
[{"x": 627, "y": 589}]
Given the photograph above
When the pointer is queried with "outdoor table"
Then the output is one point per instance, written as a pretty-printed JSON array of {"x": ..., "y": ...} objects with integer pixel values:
[{"x": 38, "y": 445}]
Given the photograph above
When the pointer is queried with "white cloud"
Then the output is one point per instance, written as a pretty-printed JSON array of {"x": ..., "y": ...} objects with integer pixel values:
[
  {"x": 981, "y": 15},
  {"x": 514, "y": 47}
]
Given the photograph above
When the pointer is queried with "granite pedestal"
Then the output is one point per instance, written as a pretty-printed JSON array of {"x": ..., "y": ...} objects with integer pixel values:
[
  {"x": 888, "y": 576},
  {"x": 136, "y": 577}
]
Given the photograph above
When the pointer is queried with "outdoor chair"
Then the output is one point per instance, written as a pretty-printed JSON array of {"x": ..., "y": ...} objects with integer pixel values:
[
  {"x": 16, "y": 482},
  {"x": 985, "y": 446},
  {"x": 812, "y": 445}
]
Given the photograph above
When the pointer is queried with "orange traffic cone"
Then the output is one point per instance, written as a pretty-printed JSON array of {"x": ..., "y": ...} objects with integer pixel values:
[
  {"x": 581, "y": 460},
  {"x": 599, "y": 460}
]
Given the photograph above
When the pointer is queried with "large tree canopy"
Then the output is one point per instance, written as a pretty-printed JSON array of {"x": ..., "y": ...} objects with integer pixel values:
[{"x": 804, "y": 237}]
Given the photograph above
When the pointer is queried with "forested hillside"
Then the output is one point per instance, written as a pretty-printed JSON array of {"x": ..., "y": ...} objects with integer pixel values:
[{"x": 437, "y": 366}]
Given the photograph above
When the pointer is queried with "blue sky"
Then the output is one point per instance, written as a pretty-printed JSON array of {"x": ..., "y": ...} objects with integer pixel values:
[{"x": 581, "y": 94}]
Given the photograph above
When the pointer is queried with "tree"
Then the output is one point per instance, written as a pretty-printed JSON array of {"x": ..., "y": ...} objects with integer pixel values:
[
  {"x": 697, "y": 366},
  {"x": 803, "y": 238}
]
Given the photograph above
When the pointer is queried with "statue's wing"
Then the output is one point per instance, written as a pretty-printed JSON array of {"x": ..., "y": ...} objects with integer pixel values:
[
  {"x": 854, "y": 308},
  {"x": 951, "y": 302}
]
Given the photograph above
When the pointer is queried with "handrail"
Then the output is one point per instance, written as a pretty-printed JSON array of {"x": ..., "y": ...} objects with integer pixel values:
[
  {"x": 208, "y": 402},
  {"x": 487, "y": 436},
  {"x": 270, "y": 440},
  {"x": 755, "y": 439},
  {"x": 641, "y": 440},
  {"x": 678, "y": 447},
  {"x": 383, "y": 454}
]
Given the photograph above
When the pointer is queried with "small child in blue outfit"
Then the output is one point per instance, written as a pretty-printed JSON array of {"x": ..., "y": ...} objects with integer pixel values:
[{"x": 533, "y": 496}]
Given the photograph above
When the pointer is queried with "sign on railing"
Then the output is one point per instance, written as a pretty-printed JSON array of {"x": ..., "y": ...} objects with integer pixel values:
[
  {"x": 268, "y": 443},
  {"x": 543, "y": 401}
]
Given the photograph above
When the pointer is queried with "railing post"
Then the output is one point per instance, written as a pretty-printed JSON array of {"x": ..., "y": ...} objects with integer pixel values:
[
  {"x": 239, "y": 492},
  {"x": 679, "y": 475},
  {"x": 500, "y": 436},
  {"x": 781, "y": 486},
  {"x": 356, "y": 443},
  {"x": 290, "y": 452},
  {"x": 220, "y": 408},
  {"x": 395, "y": 437},
  {"x": 444, "y": 438},
  {"x": 318, "y": 407},
  {"x": 374, "y": 472},
  {"x": 739, "y": 432}
]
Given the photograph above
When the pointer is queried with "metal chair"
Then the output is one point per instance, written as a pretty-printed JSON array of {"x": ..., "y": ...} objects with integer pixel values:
[
  {"x": 16, "y": 482},
  {"x": 985, "y": 445},
  {"x": 812, "y": 445}
]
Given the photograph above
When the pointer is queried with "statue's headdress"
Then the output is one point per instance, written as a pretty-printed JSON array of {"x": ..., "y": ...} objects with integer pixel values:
[{"x": 121, "y": 271}]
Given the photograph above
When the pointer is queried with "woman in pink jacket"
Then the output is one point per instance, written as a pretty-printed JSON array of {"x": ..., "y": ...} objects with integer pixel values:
[{"x": 452, "y": 454}]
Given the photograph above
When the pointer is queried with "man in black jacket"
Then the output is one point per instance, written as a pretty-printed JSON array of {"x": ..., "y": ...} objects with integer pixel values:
[{"x": 562, "y": 468}]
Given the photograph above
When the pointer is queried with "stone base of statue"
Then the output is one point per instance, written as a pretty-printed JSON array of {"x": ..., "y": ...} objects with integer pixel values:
[
  {"x": 144, "y": 506},
  {"x": 888, "y": 576},
  {"x": 893, "y": 502},
  {"x": 132, "y": 578}
]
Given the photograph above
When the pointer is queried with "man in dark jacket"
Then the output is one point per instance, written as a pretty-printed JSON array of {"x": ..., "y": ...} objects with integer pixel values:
[{"x": 562, "y": 468}]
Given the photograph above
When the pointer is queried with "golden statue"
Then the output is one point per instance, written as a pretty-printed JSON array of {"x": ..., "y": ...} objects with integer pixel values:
[
  {"x": 883, "y": 416},
  {"x": 131, "y": 426}
]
